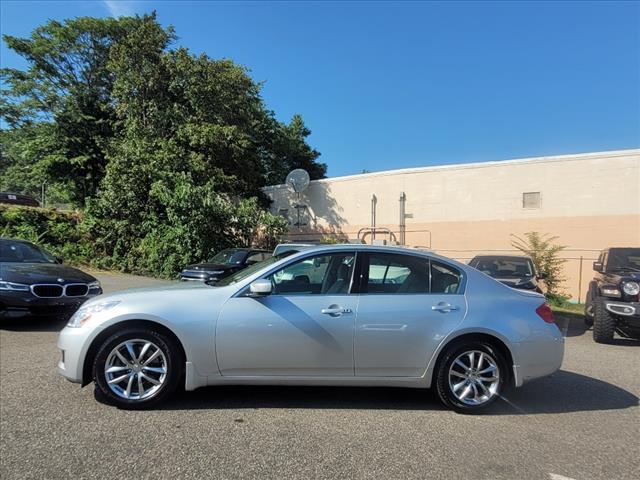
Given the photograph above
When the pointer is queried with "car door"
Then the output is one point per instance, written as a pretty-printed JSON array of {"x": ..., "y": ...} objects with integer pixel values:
[
  {"x": 304, "y": 327},
  {"x": 407, "y": 305}
]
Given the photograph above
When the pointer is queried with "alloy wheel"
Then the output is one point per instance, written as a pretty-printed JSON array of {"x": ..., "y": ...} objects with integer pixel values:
[
  {"x": 136, "y": 369},
  {"x": 474, "y": 377}
]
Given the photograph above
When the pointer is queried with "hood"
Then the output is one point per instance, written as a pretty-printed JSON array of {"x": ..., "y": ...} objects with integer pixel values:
[
  {"x": 175, "y": 294},
  {"x": 30, "y": 273},
  {"x": 208, "y": 267}
]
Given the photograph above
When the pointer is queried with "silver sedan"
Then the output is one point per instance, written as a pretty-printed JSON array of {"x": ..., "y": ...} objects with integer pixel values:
[{"x": 336, "y": 315}]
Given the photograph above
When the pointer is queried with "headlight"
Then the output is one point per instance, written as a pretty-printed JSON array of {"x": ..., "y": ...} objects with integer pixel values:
[
  {"x": 84, "y": 314},
  {"x": 94, "y": 285},
  {"x": 13, "y": 287},
  {"x": 631, "y": 288}
]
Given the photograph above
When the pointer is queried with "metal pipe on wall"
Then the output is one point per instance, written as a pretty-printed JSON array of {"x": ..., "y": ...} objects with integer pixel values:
[
  {"x": 402, "y": 225},
  {"x": 374, "y": 202}
]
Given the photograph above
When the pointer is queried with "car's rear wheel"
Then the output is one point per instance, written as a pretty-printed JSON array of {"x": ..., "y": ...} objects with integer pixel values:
[
  {"x": 604, "y": 324},
  {"x": 137, "y": 368},
  {"x": 470, "y": 376}
]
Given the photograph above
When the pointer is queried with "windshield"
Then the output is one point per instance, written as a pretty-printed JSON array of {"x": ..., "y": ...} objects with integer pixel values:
[
  {"x": 624, "y": 258},
  {"x": 504, "y": 267},
  {"x": 246, "y": 272},
  {"x": 20, "y": 252},
  {"x": 228, "y": 257}
]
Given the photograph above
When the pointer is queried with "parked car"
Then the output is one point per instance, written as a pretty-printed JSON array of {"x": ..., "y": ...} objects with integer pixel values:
[
  {"x": 438, "y": 324},
  {"x": 223, "y": 264},
  {"x": 512, "y": 270},
  {"x": 289, "y": 248},
  {"x": 18, "y": 199},
  {"x": 33, "y": 282},
  {"x": 613, "y": 299}
]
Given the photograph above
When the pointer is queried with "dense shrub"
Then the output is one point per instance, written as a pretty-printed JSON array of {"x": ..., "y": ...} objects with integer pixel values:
[
  {"x": 162, "y": 251},
  {"x": 61, "y": 233}
]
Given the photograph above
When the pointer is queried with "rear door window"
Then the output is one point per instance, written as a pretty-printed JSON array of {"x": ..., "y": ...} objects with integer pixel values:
[
  {"x": 444, "y": 278},
  {"x": 396, "y": 274}
]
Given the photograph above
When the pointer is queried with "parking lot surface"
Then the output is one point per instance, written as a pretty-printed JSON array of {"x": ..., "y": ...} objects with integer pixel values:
[{"x": 581, "y": 423}]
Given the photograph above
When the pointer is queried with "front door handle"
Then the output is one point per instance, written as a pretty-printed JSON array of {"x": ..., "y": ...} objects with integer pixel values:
[
  {"x": 335, "y": 311},
  {"x": 444, "y": 307}
]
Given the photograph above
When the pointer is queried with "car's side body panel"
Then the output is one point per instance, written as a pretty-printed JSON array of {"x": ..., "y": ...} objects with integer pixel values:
[
  {"x": 395, "y": 334},
  {"x": 387, "y": 340},
  {"x": 286, "y": 335}
]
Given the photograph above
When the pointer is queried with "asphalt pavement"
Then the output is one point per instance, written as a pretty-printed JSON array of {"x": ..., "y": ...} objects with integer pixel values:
[{"x": 581, "y": 423}]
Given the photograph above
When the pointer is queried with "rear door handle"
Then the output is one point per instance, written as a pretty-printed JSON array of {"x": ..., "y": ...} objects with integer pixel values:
[{"x": 444, "y": 307}]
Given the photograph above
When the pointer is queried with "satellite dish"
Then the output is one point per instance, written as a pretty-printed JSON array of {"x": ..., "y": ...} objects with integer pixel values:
[{"x": 298, "y": 179}]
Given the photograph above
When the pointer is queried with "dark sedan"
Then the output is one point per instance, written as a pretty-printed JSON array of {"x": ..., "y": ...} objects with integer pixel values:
[
  {"x": 33, "y": 282},
  {"x": 224, "y": 264},
  {"x": 514, "y": 271}
]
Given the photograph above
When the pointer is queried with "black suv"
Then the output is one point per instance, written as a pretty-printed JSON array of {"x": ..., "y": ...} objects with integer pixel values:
[
  {"x": 514, "y": 271},
  {"x": 613, "y": 299},
  {"x": 223, "y": 264}
]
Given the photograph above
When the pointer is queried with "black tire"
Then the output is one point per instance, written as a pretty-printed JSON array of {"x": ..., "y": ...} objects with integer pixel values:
[
  {"x": 588, "y": 319},
  {"x": 443, "y": 388},
  {"x": 604, "y": 324},
  {"x": 588, "y": 311},
  {"x": 173, "y": 364}
]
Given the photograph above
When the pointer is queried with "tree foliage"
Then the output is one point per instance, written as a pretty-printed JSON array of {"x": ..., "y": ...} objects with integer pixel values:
[
  {"x": 167, "y": 150},
  {"x": 545, "y": 255}
]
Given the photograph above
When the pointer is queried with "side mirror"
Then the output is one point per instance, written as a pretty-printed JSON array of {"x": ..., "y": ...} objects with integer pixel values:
[
  {"x": 598, "y": 267},
  {"x": 542, "y": 275},
  {"x": 260, "y": 288},
  {"x": 59, "y": 260}
]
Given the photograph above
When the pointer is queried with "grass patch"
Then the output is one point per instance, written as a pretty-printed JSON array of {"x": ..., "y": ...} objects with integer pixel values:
[{"x": 574, "y": 308}]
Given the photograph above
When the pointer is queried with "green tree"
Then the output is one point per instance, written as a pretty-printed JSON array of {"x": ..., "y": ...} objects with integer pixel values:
[
  {"x": 169, "y": 150},
  {"x": 66, "y": 91},
  {"x": 545, "y": 255}
]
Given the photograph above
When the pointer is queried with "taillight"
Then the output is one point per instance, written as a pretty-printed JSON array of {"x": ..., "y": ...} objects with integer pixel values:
[{"x": 545, "y": 313}]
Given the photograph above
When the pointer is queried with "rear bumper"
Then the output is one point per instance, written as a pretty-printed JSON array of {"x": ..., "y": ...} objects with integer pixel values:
[{"x": 538, "y": 358}]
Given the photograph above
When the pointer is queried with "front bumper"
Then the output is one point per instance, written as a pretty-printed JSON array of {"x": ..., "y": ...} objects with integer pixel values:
[
  {"x": 73, "y": 344},
  {"x": 25, "y": 304},
  {"x": 628, "y": 311},
  {"x": 196, "y": 275}
]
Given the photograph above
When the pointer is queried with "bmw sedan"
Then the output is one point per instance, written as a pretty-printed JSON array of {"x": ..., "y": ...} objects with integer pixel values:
[
  {"x": 33, "y": 282},
  {"x": 352, "y": 315}
]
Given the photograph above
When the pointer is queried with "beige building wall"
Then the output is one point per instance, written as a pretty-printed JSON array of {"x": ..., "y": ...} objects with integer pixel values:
[{"x": 590, "y": 201}]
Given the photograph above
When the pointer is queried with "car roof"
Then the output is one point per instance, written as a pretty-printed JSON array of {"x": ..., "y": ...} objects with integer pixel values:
[
  {"x": 287, "y": 244},
  {"x": 502, "y": 257},
  {"x": 17, "y": 240},
  {"x": 361, "y": 247}
]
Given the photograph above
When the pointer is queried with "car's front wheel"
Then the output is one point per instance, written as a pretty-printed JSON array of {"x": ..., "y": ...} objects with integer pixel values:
[
  {"x": 604, "y": 324},
  {"x": 137, "y": 368},
  {"x": 470, "y": 377}
]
